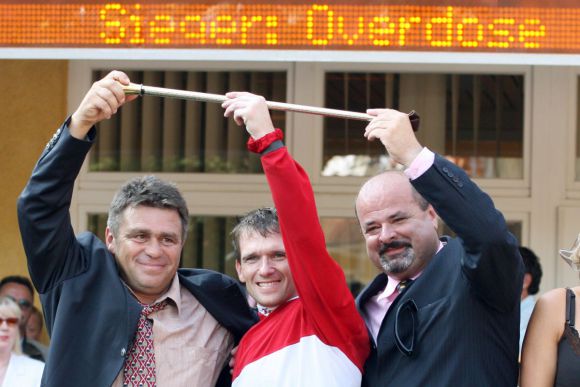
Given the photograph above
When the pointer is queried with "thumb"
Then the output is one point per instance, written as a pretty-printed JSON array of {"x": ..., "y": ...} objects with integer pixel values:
[{"x": 375, "y": 112}]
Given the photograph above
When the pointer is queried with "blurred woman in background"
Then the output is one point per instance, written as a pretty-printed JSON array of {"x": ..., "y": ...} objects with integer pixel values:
[
  {"x": 16, "y": 369},
  {"x": 551, "y": 350}
]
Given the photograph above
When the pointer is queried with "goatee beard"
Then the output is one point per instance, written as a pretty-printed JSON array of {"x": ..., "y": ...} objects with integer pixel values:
[{"x": 398, "y": 263}]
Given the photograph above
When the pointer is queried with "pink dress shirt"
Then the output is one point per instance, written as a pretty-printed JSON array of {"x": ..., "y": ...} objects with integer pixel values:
[{"x": 378, "y": 306}]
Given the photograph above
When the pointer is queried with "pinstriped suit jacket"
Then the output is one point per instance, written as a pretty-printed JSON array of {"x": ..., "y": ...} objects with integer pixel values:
[{"x": 467, "y": 319}]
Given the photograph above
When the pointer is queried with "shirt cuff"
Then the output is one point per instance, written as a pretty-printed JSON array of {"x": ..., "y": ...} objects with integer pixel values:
[
  {"x": 420, "y": 164},
  {"x": 261, "y": 144}
]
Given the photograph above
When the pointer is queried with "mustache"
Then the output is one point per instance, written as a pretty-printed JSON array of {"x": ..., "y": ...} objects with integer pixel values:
[{"x": 392, "y": 245}]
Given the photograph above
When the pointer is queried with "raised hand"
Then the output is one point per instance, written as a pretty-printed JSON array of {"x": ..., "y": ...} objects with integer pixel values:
[
  {"x": 395, "y": 132},
  {"x": 250, "y": 110},
  {"x": 101, "y": 102}
]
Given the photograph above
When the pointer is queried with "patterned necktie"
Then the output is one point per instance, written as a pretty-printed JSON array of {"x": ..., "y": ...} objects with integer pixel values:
[
  {"x": 140, "y": 362},
  {"x": 404, "y": 284}
]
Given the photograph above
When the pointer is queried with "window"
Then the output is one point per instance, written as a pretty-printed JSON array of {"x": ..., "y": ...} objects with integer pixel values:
[
  {"x": 476, "y": 120},
  {"x": 169, "y": 135}
]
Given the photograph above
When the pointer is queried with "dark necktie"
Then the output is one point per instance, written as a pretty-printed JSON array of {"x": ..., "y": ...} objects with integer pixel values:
[{"x": 139, "y": 367}]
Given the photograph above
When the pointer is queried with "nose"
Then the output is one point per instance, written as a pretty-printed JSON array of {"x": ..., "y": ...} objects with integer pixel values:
[
  {"x": 266, "y": 267},
  {"x": 387, "y": 233},
  {"x": 153, "y": 248}
]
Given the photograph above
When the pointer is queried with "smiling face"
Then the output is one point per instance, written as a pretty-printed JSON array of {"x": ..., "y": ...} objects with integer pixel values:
[
  {"x": 10, "y": 316},
  {"x": 8, "y": 332},
  {"x": 147, "y": 249},
  {"x": 264, "y": 269},
  {"x": 401, "y": 236}
]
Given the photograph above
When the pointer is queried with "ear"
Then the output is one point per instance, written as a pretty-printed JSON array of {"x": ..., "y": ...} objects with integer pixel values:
[
  {"x": 527, "y": 281},
  {"x": 433, "y": 217},
  {"x": 110, "y": 240},
  {"x": 239, "y": 270}
]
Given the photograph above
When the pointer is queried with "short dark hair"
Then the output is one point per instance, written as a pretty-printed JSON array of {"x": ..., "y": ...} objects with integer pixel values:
[
  {"x": 263, "y": 221},
  {"x": 533, "y": 267},
  {"x": 148, "y": 191},
  {"x": 17, "y": 279}
]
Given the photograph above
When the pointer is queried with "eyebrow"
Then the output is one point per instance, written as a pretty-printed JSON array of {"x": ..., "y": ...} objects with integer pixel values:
[
  {"x": 270, "y": 253},
  {"x": 398, "y": 214},
  {"x": 148, "y": 232},
  {"x": 248, "y": 256},
  {"x": 390, "y": 217},
  {"x": 134, "y": 231},
  {"x": 170, "y": 235}
]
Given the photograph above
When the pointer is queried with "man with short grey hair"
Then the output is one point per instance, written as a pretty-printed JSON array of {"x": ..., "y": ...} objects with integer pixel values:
[{"x": 121, "y": 313}]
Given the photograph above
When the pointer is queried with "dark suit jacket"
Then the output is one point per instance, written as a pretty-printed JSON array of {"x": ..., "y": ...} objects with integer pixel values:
[
  {"x": 90, "y": 314},
  {"x": 467, "y": 297}
]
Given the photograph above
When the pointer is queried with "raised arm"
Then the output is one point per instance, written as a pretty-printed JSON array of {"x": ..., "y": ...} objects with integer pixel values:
[
  {"x": 319, "y": 280},
  {"x": 43, "y": 206},
  {"x": 491, "y": 260}
]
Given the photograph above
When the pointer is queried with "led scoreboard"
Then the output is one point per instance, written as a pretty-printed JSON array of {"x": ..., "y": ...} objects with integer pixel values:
[{"x": 429, "y": 25}]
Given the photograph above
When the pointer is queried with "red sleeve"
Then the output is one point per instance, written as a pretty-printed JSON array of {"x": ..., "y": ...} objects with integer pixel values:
[{"x": 319, "y": 280}]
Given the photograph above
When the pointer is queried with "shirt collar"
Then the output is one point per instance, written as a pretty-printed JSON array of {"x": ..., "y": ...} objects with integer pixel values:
[
  {"x": 173, "y": 292},
  {"x": 392, "y": 286},
  {"x": 265, "y": 311}
]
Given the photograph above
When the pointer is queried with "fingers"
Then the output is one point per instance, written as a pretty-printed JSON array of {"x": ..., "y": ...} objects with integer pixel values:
[
  {"x": 232, "y": 361},
  {"x": 101, "y": 102},
  {"x": 250, "y": 110},
  {"x": 123, "y": 79},
  {"x": 236, "y": 94},
  {"x": 394, "y": 130},
  {"x": 383, "y": 121},
  {"x": 375, "y": 129},
  {"x": 375, "y": 112},
  {"x": 119, "y": 76},
  {"x": 237, "y": 109},
  {"x": 233, "y": 108},
  {"x": 107, "y": 99},
  {"x": 111, "y": 89},
  {"x": 104, "y": 98}
]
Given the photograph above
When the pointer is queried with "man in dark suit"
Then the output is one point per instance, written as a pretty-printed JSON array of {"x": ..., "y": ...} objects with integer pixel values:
[
  {"x": 95, "y": 294},
  {"x": 444, "y": 311}
]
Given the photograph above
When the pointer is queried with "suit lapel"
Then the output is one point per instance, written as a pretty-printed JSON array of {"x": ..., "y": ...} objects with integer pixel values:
[{"x": 377, "y": 284}]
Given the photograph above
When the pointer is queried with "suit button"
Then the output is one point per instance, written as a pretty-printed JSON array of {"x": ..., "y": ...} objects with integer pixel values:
[
  {"x": 460, "y": 184},
  {"x": 123, "y": 351},
  {"x": 456, "y": 179},
  {"x": 445, "y": 169}
]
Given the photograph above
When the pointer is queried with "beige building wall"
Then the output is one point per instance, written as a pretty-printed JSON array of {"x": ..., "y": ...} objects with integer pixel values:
[
  {"x": 546, "y": 201},
  {"x": 32, "y": 105}
]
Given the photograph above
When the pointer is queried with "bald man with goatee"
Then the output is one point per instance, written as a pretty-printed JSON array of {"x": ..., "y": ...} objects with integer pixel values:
[{"x": 444, "y": 311}]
